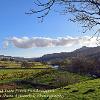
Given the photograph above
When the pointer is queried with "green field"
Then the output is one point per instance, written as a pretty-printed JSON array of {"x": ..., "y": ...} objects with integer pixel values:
[
  {"x": 9, "y": 75},
  {"x": 88, "y": 90},
  {"x": 13, "y": 64},
  {"x": 42, "y": 79},
  {"x": 46, "y": 84}
]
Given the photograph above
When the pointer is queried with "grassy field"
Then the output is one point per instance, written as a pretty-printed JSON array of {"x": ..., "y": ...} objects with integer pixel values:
[
  {"x": 8, "y": 75},
  {"x": 43, "y": 80},
  {"x": 13, "y": 64},
  {"x": 88, "y": 90},
  {"x": 10, "y": 64},
  {"x": 46, "y": 84}
]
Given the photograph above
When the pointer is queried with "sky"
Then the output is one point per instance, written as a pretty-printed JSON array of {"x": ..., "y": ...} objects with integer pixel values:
[{"x": 23, "y": 35}]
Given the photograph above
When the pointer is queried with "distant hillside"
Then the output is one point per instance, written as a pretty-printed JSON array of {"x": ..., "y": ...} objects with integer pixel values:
[
  {"x": 90, "y": 52},
  {"x": 86, "y": 51},
  {"x": 81, "y": 52}
]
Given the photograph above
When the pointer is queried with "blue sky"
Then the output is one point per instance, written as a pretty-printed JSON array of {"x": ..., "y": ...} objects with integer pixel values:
[{"x": 15, "y": 23}]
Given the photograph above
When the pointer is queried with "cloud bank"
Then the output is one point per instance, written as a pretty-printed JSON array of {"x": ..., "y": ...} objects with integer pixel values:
[{"x": 26, "y": 42}]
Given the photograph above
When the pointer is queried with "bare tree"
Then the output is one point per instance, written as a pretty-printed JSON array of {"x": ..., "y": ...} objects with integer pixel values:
[{"x": 86, "y": 12}]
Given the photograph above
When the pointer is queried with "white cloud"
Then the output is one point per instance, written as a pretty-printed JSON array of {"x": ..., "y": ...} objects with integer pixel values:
[{"x": 26, "y": 42}]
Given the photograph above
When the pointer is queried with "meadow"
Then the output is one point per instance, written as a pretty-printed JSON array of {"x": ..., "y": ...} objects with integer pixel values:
[
  {"x": 41, "y": 82},
  {"x": 88, "y": 90}
]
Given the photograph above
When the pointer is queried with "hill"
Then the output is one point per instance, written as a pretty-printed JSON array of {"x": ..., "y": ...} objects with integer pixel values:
[{"x": 81, "y": 52}]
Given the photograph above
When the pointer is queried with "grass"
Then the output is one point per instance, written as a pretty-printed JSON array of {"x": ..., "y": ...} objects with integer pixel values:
[
  {"x": 67, "y": 86},
  {"x": 8, "y": 75},
  {"x": 88, "y": 90},
  {"x": 13, "y": 64},
  {"x": 59, "y": 78},
  {"x": 47, "y": 77},
  {"x": 10, "y": 64}
]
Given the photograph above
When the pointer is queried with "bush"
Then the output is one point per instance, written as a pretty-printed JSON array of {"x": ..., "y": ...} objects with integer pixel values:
[
  {"x": 83, "y": 65},
  {"x": 25, "y": 64}
]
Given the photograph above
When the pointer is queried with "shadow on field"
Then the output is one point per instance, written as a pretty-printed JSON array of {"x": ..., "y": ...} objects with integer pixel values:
[{"x": 34, "y": 85}]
